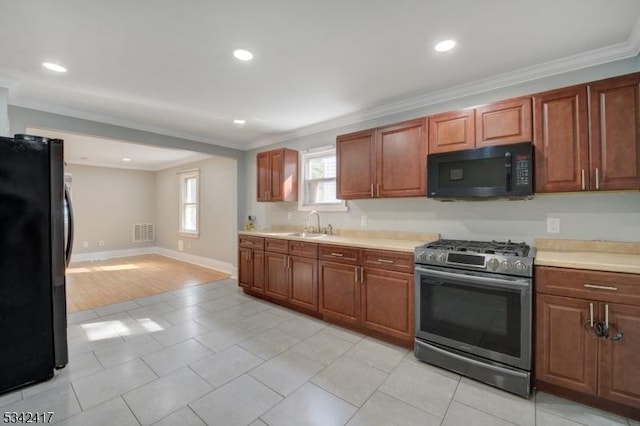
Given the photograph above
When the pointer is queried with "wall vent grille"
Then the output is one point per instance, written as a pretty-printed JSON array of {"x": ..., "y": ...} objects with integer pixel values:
[{"x": 144, "y": 232}]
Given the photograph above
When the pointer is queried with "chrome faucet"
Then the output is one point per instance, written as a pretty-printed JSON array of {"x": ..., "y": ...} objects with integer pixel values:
[{"x": 317, "y": 216}]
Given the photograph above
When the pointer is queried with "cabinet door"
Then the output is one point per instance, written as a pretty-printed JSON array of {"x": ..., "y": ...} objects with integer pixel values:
[
  {"x": 355, "y": 163},
  {"x": 387, "y": 302},
  {"x": 615, "y": 133},
  {"x": 339, "y": 292},
  {"x": 560, "y": 140},
  {"x": 566, "y": 355},
  {"x": 303, "y": 282},
  {"x": 263, "y": 176},
  {"x": 275, "y": 276},
  {"x": 401, "y": 152},
  {"x": 504, "y": 122},
  {"x": 276, "y": 173},
  {"x": 619, "y": 367},
  {"x": 245, "y": 267},
  {"x": 257, "y": 285},
  {"x": 451, "y": 131}
]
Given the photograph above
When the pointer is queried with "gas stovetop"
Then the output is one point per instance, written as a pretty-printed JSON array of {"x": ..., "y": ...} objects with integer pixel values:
[{"x": 490, "y": 256}]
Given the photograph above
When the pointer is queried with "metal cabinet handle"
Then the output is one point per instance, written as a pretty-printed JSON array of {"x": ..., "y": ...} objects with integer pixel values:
[
  {"x": 606, "y": 316},
  {"x": 372, "y": 191},
  {"x": 337, "y": 254},
  {"x": 361, "y": 274},
  {"x": 355, "y": 275},
  {"x": 582, "y": 179},
  {"x": 591, "y": 314},
  {"x": 378, "y": 191},
  {"x": 601, "y": 287},
  {"x": 385, "y": 261},
  {"x": 597, "y": 178}
]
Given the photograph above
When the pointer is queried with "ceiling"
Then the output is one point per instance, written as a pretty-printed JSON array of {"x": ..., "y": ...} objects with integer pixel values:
[
  {"x": 167, "y": 66},
  {"x": 91, "y": 151}
]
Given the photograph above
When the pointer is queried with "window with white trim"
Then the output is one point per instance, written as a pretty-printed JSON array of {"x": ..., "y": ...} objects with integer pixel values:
[
  {"x": 318, "y": 182},
  {"x": 190, "y": 203}
]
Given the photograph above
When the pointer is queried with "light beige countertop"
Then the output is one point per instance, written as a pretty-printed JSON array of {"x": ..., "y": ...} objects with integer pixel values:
[
  {"x": 382, "y": 240},
  {"x": 608, "y": 256}
]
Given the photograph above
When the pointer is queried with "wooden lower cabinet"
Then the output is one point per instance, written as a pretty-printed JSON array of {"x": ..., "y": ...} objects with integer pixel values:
[
  {"x": 619, "y": 367},
  {"x": 387, "y": 302},
  {"x": 250, "y": 269},
  {"x": 569, "y": 359},
  {"x": 275, "y": 276},
  {"x": 303, "y": 282},
  {"x": 339, "y": 292},
  {"x": 565, "y": 353}
]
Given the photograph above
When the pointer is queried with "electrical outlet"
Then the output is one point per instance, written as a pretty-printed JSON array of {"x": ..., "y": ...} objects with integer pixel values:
[
  {"x": 101, "y": 243},
  {"x": 363, "y": 221},
  {"x": 553, "y": 225},
  {"x": 85, "y": 244},
  {"x": 289, "y": 215}
]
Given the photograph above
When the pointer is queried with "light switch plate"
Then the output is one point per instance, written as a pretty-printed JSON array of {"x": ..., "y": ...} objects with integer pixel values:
[{"x": 363, "y": 221}]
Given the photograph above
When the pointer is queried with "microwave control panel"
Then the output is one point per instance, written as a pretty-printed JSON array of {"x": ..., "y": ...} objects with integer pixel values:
[{"x": 523, "y": 170}]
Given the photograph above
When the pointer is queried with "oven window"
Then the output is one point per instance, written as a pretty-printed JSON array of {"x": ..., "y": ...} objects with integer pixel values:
[
  {"x": 486, "y": 172},
  {"x": 470, "y": 314}
]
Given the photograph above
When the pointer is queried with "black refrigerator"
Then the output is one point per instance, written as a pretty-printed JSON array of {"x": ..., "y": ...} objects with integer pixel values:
[{"x": 35, "y": 246}]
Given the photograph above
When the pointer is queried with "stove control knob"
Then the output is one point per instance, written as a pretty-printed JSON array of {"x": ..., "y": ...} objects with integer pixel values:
[
  {"x": 441, "y": 258},
  {"x": 432, "y": 257},
  {"x": 506, "y": 265},
  {"x": 519, "y": 266},
  {"x": 493, "y": 263}
]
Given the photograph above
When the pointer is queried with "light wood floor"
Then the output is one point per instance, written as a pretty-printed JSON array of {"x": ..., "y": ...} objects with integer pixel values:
[{"x": 93, "y": 284}]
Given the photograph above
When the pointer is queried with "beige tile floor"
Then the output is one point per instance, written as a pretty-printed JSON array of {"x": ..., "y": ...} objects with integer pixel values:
[{"x": 212, "y": 355}]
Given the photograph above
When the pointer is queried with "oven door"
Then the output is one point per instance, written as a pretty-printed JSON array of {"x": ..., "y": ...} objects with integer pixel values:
[{"x": 480, "y": 313}]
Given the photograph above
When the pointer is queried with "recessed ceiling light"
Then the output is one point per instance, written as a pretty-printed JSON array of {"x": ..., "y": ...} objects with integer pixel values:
[
  {"x": 243, "y": 55},
  {"x": 239, "y": 121},
  {"x": 126, "y": 160},
  {"x": 54, "y": 67},
  {"x": 445, "y": 45}
]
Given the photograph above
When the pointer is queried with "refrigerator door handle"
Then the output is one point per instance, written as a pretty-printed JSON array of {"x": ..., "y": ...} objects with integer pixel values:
[{"x": 69, "y": 246}]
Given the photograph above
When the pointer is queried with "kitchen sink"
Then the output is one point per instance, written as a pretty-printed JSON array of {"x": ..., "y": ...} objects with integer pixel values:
[{"x": 306, "y": 235}]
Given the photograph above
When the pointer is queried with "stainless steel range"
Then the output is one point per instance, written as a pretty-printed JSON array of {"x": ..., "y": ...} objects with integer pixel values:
[{"x": 473, "y": 310}]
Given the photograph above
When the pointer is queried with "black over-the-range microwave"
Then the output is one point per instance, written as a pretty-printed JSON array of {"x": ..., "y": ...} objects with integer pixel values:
[{"x": 488, "y": 172}]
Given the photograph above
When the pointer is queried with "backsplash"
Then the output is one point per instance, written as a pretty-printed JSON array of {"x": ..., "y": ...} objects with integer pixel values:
[{"x": 611, "y": 216}]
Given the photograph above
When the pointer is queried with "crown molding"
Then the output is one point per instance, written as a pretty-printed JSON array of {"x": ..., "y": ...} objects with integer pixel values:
[{"x": 620, "y": 51}]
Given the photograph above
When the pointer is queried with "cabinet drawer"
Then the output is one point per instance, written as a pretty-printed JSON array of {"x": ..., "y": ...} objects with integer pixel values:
[
  {"x": 389, "y": 260},
  {"x": 277, "y": 245},
  {"x": 340, "y": 254},
  {"x": 604, "y": 286},
  {"x": 303, "y": 249},
  {"x": 253, "y": 242}
]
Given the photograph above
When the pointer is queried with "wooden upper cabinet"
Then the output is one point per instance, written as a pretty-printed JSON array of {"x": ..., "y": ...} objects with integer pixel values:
[
  {"x": 355, "y": 165},
  {"x": 615, "y": 133},
  {"x": 504, "y": 122},
  {"x": 401, "y": 158},
  {"x": 452, "y": 131},
  {"x": 385, "y": 162},
  {"x": 561, "y": 140},
  {"x": 277, "y": 175}
]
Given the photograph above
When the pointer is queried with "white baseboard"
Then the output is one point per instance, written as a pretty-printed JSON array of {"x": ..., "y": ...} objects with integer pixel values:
[
  {"x": 111, "y": 254},
  {"x": 205, "y": 262}
]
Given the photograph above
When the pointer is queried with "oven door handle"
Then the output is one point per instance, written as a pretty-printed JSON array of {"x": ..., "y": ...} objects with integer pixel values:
[{"x": 489, "y": 282}]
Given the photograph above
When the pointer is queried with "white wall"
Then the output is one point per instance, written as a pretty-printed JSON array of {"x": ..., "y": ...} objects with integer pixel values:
[
  {"x": 4, "y": 112},
  {"x": 218, "y": 209},
  {"x": 607, "y": 216},
  {"x": 106, "y": 203}
]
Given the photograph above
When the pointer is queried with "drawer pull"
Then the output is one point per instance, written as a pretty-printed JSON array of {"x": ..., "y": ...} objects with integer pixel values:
[
  {"x": 248, "y": 242},
  {"x": 337, "y": 254},
  {"x": 601, "y": 287},
  {"x": 385, "y": 261}
]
